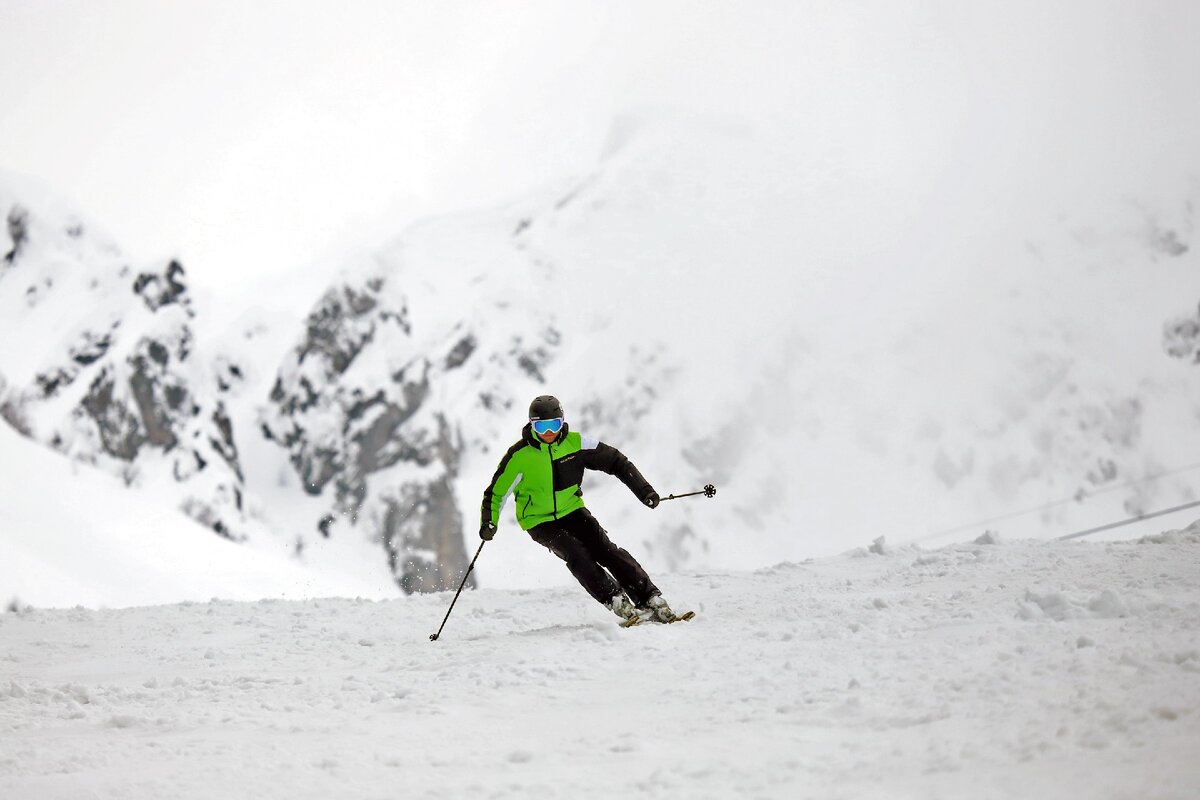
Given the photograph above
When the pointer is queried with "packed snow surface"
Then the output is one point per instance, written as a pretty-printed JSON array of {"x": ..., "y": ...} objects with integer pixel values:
[{"x": 989, "y": 670}]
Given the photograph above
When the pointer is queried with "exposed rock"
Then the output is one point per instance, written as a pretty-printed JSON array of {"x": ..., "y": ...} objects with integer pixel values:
[
  {"x": 344, "y": 427},
  {"x": 18, "y": 231},
  {"x": 342, "y": 324},
  {"x": 120, "y": 434},
  {"x": 10, "y": 412},
  {"x": 161, "y": 290},
  {"x": 1165, "y": 241},
  {"x": 369, "y": 410},
  {"x": 459, "y": 354},
  {"x": 1181, "y": 338},
  {"x": 414, "y": 533}
]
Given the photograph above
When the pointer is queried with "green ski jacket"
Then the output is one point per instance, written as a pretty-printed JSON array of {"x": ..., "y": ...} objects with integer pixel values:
[{"x": 546, "y": 479}]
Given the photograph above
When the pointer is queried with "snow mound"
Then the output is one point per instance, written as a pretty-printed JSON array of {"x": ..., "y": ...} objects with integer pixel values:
[
  {"x": 1188, "y": 535},
  {"x": 1060, "y": 606},
  {"x": 988, "y": 537}
]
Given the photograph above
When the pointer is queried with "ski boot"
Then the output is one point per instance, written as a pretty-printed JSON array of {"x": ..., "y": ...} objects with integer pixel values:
[
  {"x": 620, "y": 605},
  {"x": 656, "y": 610}
]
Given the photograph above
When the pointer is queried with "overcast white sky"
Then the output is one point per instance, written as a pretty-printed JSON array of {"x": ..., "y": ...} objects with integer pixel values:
[{"x": 245, "y": 137}]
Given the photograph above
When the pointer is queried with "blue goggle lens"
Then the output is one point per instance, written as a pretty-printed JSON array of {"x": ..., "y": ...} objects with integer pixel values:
[{"x": 541, "y": 426}]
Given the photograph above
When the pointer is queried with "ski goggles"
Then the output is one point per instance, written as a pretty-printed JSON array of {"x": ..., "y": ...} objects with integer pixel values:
[{"x": 541, "y": 426}]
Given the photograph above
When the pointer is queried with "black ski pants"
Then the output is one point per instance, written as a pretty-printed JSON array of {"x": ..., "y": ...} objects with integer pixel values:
[{"x": 579, "y": 540}]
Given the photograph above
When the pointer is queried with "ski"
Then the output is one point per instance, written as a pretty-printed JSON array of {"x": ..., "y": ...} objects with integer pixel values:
[{"x": 636, "y": 620}]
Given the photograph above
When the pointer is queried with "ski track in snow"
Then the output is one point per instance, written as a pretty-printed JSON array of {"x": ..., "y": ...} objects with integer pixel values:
[{"x": 1022, "y": 670}]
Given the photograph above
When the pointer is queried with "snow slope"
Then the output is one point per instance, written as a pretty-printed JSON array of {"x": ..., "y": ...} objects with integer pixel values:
[
  {"x": 74, "y": 535},
  {"x": 1006, "y": 670}
]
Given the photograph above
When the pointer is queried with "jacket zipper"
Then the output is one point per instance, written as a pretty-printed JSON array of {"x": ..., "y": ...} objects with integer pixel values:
[{"x": 553, "y": 495}]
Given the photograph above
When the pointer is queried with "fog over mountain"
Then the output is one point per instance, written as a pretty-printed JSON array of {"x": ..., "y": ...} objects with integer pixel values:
[
  {"x": 280, "y": 130},
  {"x": 874, "y": 271}
]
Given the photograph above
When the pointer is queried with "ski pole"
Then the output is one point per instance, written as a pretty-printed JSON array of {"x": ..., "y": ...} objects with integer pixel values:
[
  {"x": 434, "y": 636},
  {"x": 708, "y": 491}
]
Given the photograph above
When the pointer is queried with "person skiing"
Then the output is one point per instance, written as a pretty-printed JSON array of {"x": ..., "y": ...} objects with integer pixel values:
[{"x": 544, "y": 472}]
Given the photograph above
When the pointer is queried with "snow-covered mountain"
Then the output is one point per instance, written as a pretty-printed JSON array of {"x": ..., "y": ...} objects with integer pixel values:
[
  {"x": 1001, "y": 670},
  {"x": 842, "y": 352},
  {"x": 97, "y": 359},
  {"x": 700, "y": 301}
]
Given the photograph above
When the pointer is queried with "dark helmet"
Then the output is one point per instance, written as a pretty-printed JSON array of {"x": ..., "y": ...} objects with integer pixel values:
[{"x": 545, "y": 407}]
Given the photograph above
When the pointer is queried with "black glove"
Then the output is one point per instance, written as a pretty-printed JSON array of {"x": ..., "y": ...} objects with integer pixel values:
[
  {"x": 486, "y": 531},
  {"x": 651, "y": 499}
]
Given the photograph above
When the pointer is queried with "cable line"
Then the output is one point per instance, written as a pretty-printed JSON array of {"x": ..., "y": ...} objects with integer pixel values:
[
  {"x": 1112, "y": 525},
  {"x": 1078, "y": 497}
]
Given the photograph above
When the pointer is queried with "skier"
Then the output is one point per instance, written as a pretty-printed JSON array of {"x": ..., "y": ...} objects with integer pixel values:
[{"x": 544, "y": 470}]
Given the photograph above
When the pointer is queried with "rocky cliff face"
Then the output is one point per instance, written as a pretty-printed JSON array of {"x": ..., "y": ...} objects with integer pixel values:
[
  {"x": 370, "y": 406},
  {"x": 345, "y": 429},
  {"x": 102, "y": 366}
]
